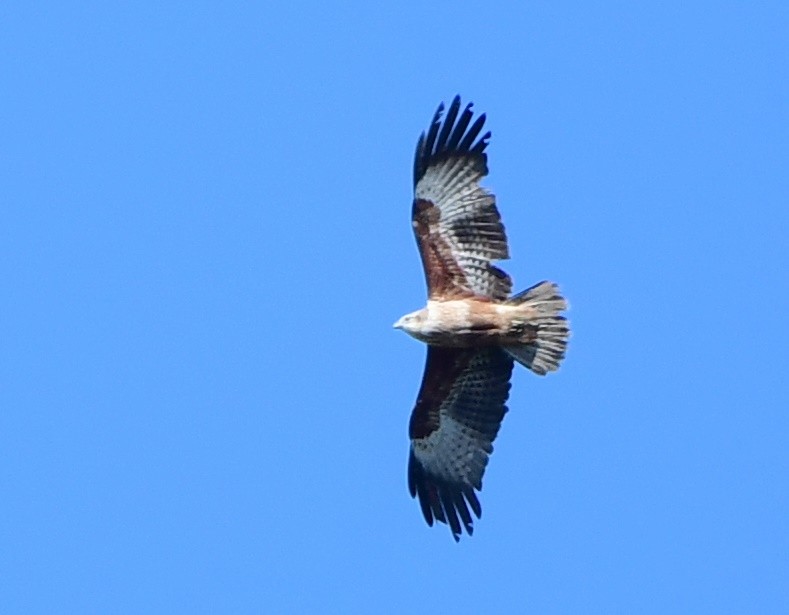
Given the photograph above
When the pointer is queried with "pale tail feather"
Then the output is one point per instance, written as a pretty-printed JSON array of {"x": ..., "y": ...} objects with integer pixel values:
[{"x": 542, "y": 305}]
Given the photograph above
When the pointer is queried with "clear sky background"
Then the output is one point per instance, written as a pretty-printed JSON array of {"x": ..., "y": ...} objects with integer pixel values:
[{"x": 204, "y": 242}]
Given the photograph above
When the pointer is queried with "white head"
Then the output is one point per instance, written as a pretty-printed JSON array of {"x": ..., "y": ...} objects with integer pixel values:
[{"x": 412, "y": 323}]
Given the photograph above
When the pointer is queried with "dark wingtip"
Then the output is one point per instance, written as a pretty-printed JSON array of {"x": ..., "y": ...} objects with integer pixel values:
[
  {"x": 451, "y": 137},
  {"x": 441, "y": 501}
]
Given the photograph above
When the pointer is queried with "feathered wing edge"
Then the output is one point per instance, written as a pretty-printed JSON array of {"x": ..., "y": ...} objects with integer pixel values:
[
  {"x": 442, "y": 502},
  {"x": 459, "y": 410},
  {"x": 448, "y": 138},
  {"x": 456, "y": 222}
]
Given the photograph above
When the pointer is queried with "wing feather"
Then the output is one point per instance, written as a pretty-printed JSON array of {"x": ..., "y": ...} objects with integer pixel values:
[
  {"x": 460, "y": 129},
  {"x": 457, "y": 416},
  {"x": 449, "y": 122},
  {"x": 472, "y": 134},
  {"x": 457, "y": 225}
]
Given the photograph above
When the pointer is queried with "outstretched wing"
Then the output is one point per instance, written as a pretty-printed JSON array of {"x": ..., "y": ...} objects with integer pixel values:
[
  {"x": 457, "y": 225},
  {"x": 458, "y": 413}
]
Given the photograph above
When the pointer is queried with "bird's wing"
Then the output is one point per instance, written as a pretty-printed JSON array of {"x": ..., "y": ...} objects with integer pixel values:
[
  {"x": 458, "y": 413},
  {"x": 457, "y": 225}
]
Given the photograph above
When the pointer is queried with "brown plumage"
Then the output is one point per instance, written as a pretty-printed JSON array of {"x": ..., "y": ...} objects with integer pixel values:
[{"x": 473, "y": 328}]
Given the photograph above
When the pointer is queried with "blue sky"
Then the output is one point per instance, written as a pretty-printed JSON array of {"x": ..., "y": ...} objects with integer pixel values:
[{"x": 205, "y": 240}]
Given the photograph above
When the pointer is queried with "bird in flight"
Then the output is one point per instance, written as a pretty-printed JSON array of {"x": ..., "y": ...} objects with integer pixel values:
[{"x": 473, "y": 328}]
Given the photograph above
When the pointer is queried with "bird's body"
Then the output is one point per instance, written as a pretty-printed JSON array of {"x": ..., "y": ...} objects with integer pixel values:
[
  {"x": 473, "y": 328},
  {"x": 456, "y": 323},
  {"x": 470, "y": 323}
]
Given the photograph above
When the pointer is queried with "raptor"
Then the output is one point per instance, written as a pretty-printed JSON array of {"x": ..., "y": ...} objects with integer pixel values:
[{"x": 474, "y": 329}]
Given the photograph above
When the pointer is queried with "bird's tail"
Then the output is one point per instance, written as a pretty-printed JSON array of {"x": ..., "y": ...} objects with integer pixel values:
[{"x": 543, "y": 342}]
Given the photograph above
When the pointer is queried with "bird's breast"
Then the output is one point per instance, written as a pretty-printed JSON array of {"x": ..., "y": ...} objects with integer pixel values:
[{"x": 461, "y": 323}]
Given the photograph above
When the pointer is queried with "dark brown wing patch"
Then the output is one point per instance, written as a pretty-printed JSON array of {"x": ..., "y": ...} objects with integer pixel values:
[
  {"x": 457, "y": 416},
  {"x": 457, "y": 225},
  {"x": 442, "y": 367},
  {"x": 443, "y": 274}
]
